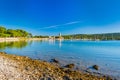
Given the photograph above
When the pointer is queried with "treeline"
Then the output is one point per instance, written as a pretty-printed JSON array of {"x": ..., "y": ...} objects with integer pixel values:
[
  {"x": 40, "y": 36},
  {"x": 105, "y": 36},
  {"x": 13, "y": 32}
]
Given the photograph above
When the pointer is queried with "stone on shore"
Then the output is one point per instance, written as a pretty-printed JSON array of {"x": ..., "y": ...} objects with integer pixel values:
[
  {"x": 96, "y": 67},
  {"x": 55, "y": 60},
  {"x": 70, "y": 66}
]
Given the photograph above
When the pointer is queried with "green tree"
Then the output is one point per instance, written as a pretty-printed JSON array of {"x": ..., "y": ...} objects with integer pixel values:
[{"x": 2, "y": 29}]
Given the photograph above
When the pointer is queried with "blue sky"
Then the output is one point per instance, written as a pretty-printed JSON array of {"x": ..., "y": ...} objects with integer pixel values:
[{"x": 50, "y": 17}]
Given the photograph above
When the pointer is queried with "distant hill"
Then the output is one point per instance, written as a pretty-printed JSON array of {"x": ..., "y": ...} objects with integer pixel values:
[{"x": 103, "y": 36}]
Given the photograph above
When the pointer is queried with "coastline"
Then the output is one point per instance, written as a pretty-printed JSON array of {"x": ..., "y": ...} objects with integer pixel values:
[
  {"x": 12, "y": 39},
  {"x": 22, "y": 68},
  {"x": 9, "y": 39}
]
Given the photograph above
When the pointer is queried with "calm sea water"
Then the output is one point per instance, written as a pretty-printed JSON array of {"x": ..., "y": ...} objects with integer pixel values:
[{"x": 84, "y": 54}]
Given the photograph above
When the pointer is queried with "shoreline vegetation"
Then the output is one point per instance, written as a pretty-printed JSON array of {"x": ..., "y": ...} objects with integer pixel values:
[{"x": 22, "y": 68}]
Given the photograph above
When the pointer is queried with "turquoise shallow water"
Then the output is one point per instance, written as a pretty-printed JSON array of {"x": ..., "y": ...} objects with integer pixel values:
[{"x": 84, "y": 54}]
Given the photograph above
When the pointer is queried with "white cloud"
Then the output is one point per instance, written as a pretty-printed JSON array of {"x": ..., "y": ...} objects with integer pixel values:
[
  {"x": 61, "y": 25},
  {"x": 53, "y": 26},
  {"x": 74, "y": 22}
]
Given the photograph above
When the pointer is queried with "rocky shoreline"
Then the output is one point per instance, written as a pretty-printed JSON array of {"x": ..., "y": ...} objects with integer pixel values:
[
  {"x": 9, "y": 39},
  {"x": 13, "y": 39},
  {"x": 13, "y": 67}
]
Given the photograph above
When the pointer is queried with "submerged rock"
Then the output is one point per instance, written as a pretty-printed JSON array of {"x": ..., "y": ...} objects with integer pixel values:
[
  {"x": 96, "y": 67},
  {"x": 55, "y": 60},
  {"x": 70, "y": 66}
]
